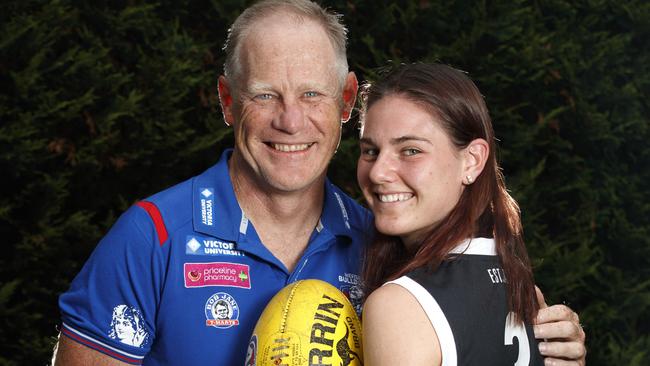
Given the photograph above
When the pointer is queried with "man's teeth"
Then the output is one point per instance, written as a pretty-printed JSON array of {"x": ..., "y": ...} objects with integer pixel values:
[
  {"x": 395, "y": 197},
  {"x": 291, "y": 148}
]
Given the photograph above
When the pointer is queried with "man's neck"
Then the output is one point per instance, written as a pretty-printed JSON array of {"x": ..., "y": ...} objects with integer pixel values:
[{"x": 284, "y": 221}]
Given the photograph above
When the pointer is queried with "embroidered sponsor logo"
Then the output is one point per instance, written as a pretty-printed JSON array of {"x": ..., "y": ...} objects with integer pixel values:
[
  {"x": 201, "y": 246},
  {"x": 217, "y": 274},
  {"x": 251, "y": 352},
  {"x": 127, "y": 326},
  {"x": 221, "y": 311},
  {"x": 192, "y": 246},
  {"x": 206, "y": 205}
]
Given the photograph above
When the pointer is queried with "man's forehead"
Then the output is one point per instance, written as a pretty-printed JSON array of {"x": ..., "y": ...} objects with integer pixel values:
[
  {"x": 285, "y": 31},
  {"x": 316, "y": 73},
  {"x": 279, "y": 54}
]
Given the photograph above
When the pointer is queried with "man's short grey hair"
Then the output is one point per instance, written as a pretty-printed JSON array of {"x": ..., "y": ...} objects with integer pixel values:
[{"x": 331, "y": 22}]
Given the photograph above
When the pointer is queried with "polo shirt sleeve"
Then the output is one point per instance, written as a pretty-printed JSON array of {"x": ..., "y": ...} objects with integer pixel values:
[{"x": 111, "y": 304}]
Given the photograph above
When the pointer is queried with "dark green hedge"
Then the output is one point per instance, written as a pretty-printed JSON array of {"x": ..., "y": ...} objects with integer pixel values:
[{"x": 106, "y": 102}]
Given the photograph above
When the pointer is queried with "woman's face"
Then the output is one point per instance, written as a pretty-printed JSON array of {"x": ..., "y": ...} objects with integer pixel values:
[{"x": 410, "y": 172}]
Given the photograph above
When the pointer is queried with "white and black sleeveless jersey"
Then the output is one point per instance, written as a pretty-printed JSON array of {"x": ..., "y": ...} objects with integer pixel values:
[{"x": 465, "y": 300}]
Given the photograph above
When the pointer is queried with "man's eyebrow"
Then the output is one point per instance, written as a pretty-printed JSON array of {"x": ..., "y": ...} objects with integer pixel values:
[
  {"x": 260, "y": 87},
  {"x": 257, "y": 86}
]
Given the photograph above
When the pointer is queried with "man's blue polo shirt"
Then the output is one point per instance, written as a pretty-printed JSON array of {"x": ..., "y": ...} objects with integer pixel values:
[{"x": 182, "y": 277}]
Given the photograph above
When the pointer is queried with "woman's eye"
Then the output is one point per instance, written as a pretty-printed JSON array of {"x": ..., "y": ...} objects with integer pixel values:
[
  {"x": 369, "y": 152},
  {"x": 410, "y": 152}
]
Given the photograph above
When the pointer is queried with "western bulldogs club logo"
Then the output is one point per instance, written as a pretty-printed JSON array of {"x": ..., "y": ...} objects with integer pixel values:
[
  {"x": 351, "y": 288},
  {"x": 221, "y": 311},
  {"x": 355, "y": 295}
]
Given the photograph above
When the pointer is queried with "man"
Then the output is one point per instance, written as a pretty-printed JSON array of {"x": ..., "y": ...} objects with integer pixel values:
[{"x": 264, "y": 216}]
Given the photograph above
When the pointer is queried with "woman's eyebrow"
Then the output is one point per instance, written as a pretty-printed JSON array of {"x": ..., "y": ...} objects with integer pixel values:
[
  {"x": 401, "y": 139},
  {"x": 396, "y": 140}
]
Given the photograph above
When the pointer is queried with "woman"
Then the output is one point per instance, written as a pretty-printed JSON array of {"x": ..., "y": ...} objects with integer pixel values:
[{"x": 460, "y": 287}]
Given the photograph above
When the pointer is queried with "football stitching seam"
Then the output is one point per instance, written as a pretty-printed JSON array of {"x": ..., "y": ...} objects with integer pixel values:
[{"x": 285, "y": 311}]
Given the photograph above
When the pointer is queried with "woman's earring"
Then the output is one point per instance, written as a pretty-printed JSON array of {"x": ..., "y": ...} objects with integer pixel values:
[{"x": 470, "y": 180}]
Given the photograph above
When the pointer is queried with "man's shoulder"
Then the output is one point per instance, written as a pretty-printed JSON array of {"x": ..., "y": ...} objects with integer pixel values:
[
  {"x": 179, "y": 196},
  {"x": 175, "y": 203}
]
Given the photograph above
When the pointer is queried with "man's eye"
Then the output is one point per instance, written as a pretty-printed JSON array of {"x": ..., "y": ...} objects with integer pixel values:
[
  {"x": 264, "y": 96},
  {"x": 311, "y": 94}
]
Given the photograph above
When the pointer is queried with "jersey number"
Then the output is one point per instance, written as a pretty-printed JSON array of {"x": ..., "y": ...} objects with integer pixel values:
[{"x": 517, "y": 330}]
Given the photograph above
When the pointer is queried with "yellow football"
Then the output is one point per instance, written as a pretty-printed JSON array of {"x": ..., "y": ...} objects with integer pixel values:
[{"x": 309, "y": 322}]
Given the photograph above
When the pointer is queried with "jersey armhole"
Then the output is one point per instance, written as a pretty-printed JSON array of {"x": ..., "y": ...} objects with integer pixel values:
[{"x": 436, "y": 317}]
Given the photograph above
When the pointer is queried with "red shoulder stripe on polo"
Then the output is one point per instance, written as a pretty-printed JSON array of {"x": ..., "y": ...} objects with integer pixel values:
[{"x": 157, "y": 219}]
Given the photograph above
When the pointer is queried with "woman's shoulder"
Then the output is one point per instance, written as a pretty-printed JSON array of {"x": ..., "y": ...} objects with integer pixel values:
[{"x": 396, "y": 329}]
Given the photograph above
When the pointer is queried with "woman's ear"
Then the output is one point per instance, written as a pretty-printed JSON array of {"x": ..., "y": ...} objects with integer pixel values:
[{"x": 475, "y": 156}]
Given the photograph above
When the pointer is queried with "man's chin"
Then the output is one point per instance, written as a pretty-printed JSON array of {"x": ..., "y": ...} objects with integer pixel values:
[{"x": 294, "y": 183}]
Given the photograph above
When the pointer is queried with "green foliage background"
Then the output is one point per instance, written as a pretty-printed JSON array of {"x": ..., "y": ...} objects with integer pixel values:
[{"x": 106, "y": 102}]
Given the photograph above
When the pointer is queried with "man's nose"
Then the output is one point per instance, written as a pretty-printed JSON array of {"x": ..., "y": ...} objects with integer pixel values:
[{"x": 291, "y": 118}]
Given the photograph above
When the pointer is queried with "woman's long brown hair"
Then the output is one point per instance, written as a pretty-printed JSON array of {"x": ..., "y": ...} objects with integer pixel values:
[{"x": 485, "y": 208}]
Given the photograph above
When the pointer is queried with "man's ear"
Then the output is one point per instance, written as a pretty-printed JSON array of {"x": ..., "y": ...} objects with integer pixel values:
[
  {"x": 475, "y": 155},
  {"x": 226, "y": 100},
  {"x": 349, "y": 96}
]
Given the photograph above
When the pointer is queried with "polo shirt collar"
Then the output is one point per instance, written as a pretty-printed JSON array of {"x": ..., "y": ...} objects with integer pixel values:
[
  {"x": 335, "y": 217},
  {"x": 216, "y": 211}
]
